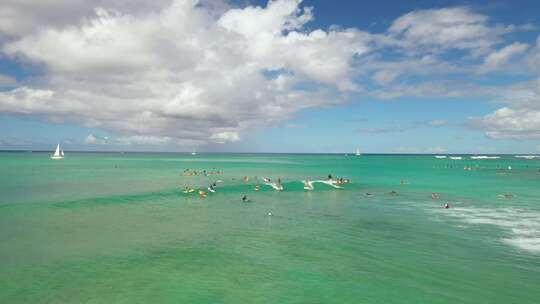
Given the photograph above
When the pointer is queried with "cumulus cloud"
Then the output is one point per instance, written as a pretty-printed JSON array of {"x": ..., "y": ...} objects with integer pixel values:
[
  {"x": 520, "y": 119},
  {"x": 513, "y": 123},
  {"x": 188, "y": 72},
  {"x": 182, "y": 72}
]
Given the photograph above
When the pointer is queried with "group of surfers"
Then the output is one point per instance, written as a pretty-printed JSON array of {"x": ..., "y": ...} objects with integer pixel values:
[
  {"x": 340, "y": 181},
  {"x": 189, "y": 172}
]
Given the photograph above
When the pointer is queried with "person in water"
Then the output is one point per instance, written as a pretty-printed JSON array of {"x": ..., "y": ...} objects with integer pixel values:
[
  {"x": 245, "y": 199},
  {"x": 329, "y": 176},
  {"x": 446, "y": 206}
]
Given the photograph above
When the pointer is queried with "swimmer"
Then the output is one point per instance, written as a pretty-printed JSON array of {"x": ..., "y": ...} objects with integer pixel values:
[
  {"x": 246, "y": 179},
  {"x": 202, "y": 194},
  {"x": 446, "y": 206},
  {"x": 329, "y": 176},
  {"x": 257, "y": 187},
  {"x": 245, "y": 199},
  {"x": 369, "y": 194},
  {"x": 393, "y": 192}
]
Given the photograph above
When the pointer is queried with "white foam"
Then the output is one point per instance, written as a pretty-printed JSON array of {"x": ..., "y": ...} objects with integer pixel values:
[
  {"x": 529, "y": 244},
  {"x": 527, "y": 156},
  {"x": 521, "y": 226},
  {"x": 485, "y": 157}
]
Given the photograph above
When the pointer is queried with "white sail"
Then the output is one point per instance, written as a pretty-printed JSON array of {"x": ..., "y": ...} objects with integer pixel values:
[
  {"x": 357, "y": 151},
  {"x": 58, "y": 153}
]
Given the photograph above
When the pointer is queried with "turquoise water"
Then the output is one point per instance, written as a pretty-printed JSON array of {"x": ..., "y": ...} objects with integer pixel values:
[{"x": 117, "y": 228}]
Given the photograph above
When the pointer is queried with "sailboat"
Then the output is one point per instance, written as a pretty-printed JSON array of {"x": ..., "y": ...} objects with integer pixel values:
[
  {"x": 358, "y": 152},
  {"x": 58, "y": 153}
]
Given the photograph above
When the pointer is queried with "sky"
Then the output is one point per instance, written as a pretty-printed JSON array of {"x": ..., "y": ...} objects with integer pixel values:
[{"x": 310, "y": 76}]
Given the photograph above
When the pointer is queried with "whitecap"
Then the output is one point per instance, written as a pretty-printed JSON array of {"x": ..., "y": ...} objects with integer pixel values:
[{"x": 520, "y": 226}]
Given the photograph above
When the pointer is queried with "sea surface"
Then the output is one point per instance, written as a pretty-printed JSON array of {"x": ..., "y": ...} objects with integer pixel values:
[{"x": 117, "y": 228}]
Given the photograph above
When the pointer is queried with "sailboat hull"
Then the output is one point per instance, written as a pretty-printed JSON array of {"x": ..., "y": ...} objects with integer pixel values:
[{"x": 57, "y": 157}]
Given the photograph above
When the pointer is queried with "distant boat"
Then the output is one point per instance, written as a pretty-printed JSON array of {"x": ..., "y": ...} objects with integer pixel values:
[
  {"x": 58, "y": 153},
  {"x": 193, "y": 153},
  {"x": 456, "y": 157},
  {"x": 358, "y": 152},
  {"x": 440, "y": 156}
]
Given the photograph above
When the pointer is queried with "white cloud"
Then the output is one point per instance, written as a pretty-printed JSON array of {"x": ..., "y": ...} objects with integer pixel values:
[
  {"x": 184, "y": 73},
  {"x": 446, "y": 28},
  {"x": 143, "y": 140},
  {"x": 520, "y": 119},
  {"x": 90, "y": 139},
  {"x": 508, "y": 123},
  {"x": 500, "y": 58},
  {"x": 388, "y": 71}
]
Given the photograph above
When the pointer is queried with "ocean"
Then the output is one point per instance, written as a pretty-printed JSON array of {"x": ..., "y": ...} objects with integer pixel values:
[{"x": 118, "y": 228}]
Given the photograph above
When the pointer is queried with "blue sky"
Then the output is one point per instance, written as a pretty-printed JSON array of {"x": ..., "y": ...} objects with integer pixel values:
[{"x": 279, "y": 76}]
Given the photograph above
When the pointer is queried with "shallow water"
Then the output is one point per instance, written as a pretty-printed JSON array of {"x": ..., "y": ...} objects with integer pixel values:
[{"x": 116, "y": 228}]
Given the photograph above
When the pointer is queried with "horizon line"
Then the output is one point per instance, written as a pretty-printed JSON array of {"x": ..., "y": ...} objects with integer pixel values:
[{"x": 229, "y": 152}]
